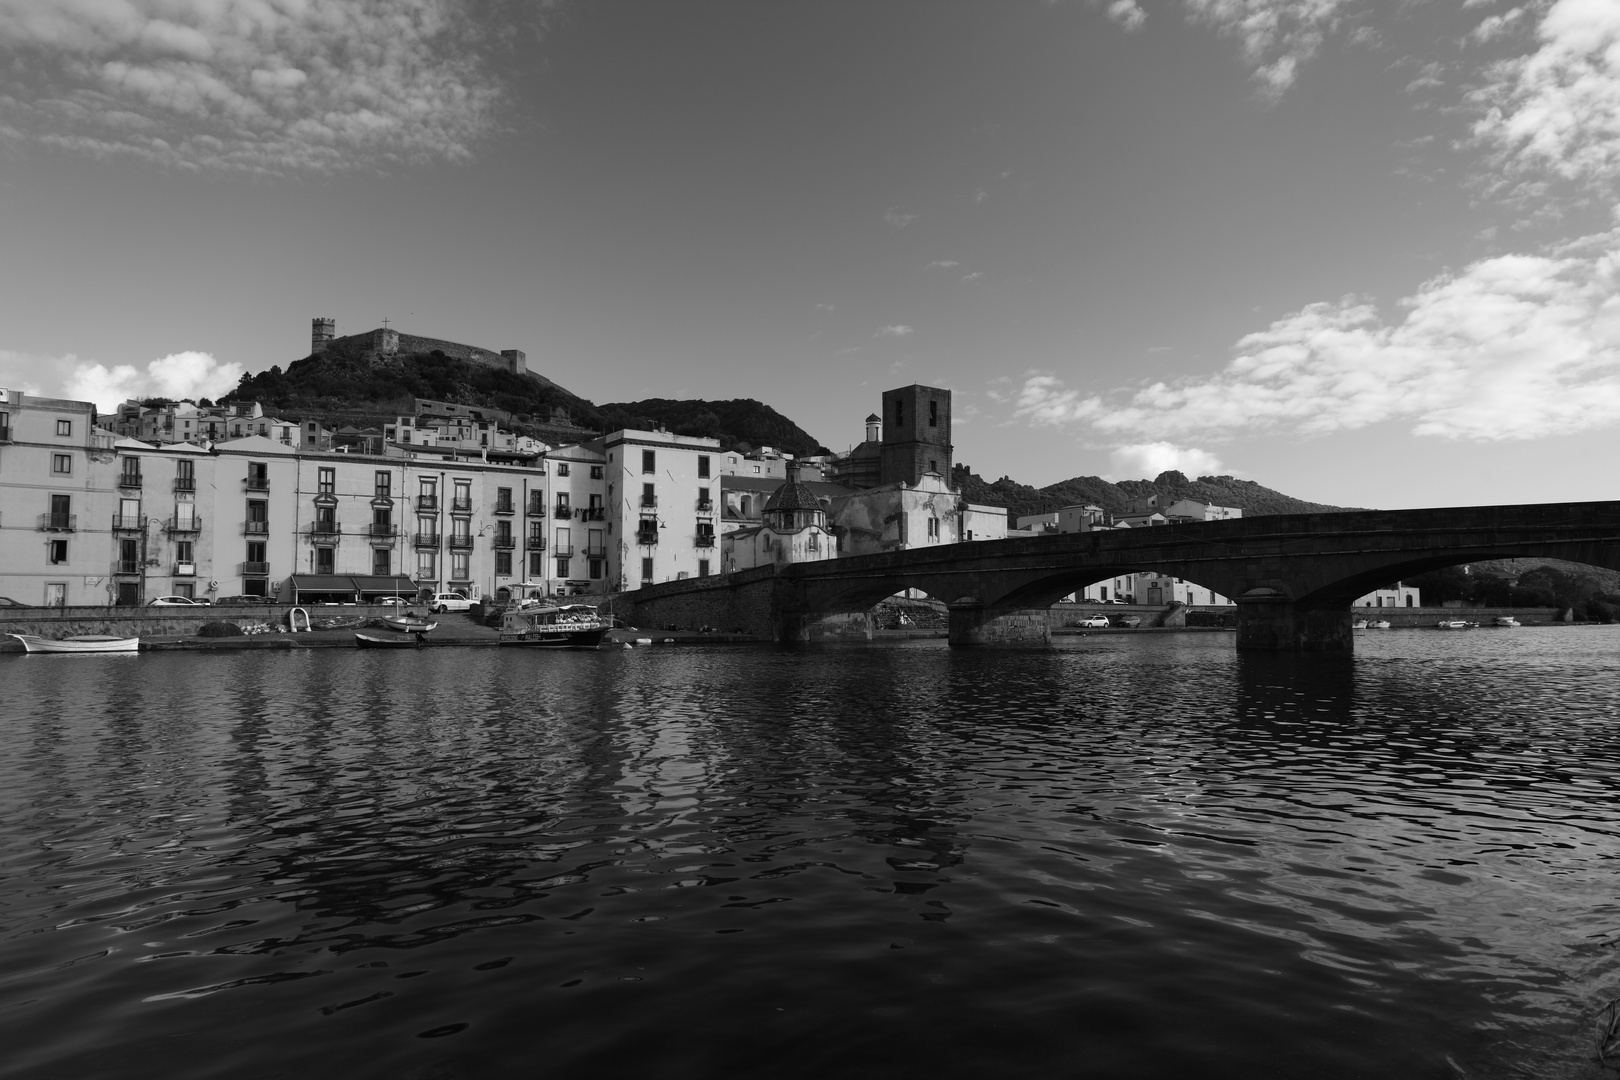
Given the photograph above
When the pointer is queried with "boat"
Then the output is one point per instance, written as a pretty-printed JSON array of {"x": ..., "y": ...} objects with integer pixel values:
[
  {"x": 1378, "y": 624},
  {"x": 79, "y": 643},
  {"x": 409, "y": 624},
  {"x": 556, "y": 626},
  {"x": 1505, "y": 620},
  {"x": 1455, "y": 624},
  {"x": 1358, "y": 624},
  {"x": 387, "y": 641}
]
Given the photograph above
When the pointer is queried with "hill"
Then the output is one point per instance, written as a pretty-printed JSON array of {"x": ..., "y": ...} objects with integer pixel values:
[
  {"x": 1021, "y": 500},
  {"x": 736, "y": 423}
]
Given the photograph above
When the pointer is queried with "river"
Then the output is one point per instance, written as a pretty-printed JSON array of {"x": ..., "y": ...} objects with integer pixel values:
[{"x": 1119, "y": 856}]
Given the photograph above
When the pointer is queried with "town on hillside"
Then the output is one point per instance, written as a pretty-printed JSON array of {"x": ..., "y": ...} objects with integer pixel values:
[{"x": 202, "y": 501}]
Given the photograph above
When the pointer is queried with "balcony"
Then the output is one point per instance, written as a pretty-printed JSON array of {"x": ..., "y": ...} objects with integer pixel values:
[
  {"x": 192, "y": 524},
  {"x": 185, "y": 569},
  {"x": 58, "y": 522},
  {"x": 427, "y": 539},
  {"x": 562, "y": 512},
  {"x": 128, "y": 566},
  {"x": 255, "y": 569},
  {"x": 504, "y": 508},
  {"x": 563, "y": 551},
  {"x": 5, "y": 432},
  {"x": 427, "y": 502},
  {"x": 323, "y": 532},
  {"x": 537, "y": 505},
  {"x": 649, "y": 500},
  {"x": 504, "y": 542},
  {"x": 258, "y": 483},
  {"x": 255, "y": 528},
  {"x": 596, "y": 552},
  {"x": 382, "y": 530},
  {"x": 535, "y": 543},
  {"x": 458, "y": 542},
  {"x": 461, "y": 506},
  {"x": 705, "y": 506},
  {"x": 129, "y": 479},
  {"x": 129, "y": 523},
  {"x": 594, "y": 513},
  {"x": 703, "y": 540},
  {"x": 185, "y": 483},
  {"x": 646, "y": 536}
]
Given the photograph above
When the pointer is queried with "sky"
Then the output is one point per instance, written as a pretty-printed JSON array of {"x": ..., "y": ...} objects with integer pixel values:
[{"x": 1365, "y": 252}]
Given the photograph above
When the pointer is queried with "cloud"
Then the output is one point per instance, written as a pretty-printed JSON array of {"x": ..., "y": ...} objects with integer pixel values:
[
  {"x": 256, "y": 86},
  {"x": 1277, "y": 36},
  {"x": 1151, "y": 459},
  {"x": 977, "y": 275},
  {"x": 178, "y": 375},
  {"x": 1127, "y": 13},
  {"x": 897, "y": 219},
  {"x": 825, "y": 307},
  {"x": 895, "y": 331},
  {"x": 942, "y": 264},
  {"x": 1512, "y": 347},
  {"x": 1555, "y": 112}
]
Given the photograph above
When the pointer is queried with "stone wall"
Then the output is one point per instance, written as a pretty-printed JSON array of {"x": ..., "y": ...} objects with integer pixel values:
[
  {"x": 736, "y": 603},
  {"x": 150, "y": 622}
]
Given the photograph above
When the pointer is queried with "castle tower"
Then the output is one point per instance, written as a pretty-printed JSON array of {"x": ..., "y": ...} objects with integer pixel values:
[
  {"x": 916, "y": 434},
  {"x": 516, "y": 362},
  {"x": 321, "y": 332}
]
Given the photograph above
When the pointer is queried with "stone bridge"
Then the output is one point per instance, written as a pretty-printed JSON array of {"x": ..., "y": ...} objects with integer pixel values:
[{"x": 1292, "y": 576}]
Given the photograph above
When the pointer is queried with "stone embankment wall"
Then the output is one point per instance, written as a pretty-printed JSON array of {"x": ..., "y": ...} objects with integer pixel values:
[
  {"x": 155, "y": 622},
  {"x": 736, "y": 603}
]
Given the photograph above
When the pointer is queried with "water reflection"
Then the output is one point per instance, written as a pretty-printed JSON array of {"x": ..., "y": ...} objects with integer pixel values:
[{"x": 1122, "y": 856}]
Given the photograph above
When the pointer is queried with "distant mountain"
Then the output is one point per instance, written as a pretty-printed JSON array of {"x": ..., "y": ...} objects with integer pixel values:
[
  {"x": 1021, "y": 500},
  {"x": 738, "y": 422}
]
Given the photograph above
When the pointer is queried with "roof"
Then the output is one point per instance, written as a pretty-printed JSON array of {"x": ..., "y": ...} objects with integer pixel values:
[
  {"x": 822, "y": 488},
  {"x": 874, "y": 419},
  {"x": 793, "y": 495}
]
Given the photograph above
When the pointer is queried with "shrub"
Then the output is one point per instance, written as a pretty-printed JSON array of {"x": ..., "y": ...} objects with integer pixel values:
[{"x": 219, "y": 629}]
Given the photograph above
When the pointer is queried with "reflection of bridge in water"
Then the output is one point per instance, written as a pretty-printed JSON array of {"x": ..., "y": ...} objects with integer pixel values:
[{"x": 1292, "y": 576}]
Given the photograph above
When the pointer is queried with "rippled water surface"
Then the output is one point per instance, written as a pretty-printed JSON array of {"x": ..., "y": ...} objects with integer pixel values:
[{"x": 1122, "y": 857}]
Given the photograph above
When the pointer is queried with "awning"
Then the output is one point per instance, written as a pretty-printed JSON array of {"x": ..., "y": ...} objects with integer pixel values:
[
  {"x": 391, "y": 586},
  {"x": 321, "y": 583}
]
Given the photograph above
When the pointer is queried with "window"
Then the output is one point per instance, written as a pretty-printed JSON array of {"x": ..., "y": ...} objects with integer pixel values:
[
  {"x": 381, "y": 558},
  {"x": 562, "y": 567},
  {"x": 255, "y": 551},
  {"x": 594, "y": 545},
  {"x": 460, "y": 566},
  {"x": 933, "y": 414},
  {"x": 562, "y": 468},
  {"x": 933, "y": 466},
  {"x": 703, "y": 568},
  {"x": 646, "y": 569},
  {"x": 649, "y": 497},
  {"x": 58, "y": 551},
  {"x": 503, "y": 563},
  {"x": 563, "y": 542},
  {"x": 64, "y": 427},
  {"x": 596, "y": 569},
  {"x": 184, "y": 550},
  {"x": 703, "y": 466},
  {"x": 463, "y": 496},
  {"x": 325, "y": 560},
  {"x": 562, "y": 504},
  {"x": 62, "y": 464},
  {"x": 703, "y": 499},
  {"x": 327, "y": 482},
  {"x": 258, "y": 478},
  {"x": 383, "y": 485},
  {"x": 427, "y": 565},
  {"x": 186, "y": 589},
  {"x": 537, "y": 564},
  {"x": 382, "y": 521},
  {"x": 503, "y": 500},
  {"x": 649, "y": 462},
  {"x": 56, "y": 594},
  {"x": 427, "y": 493},
  {"x": 899, "y": 413},
  {"x": 933, "y": 528},
  {"x": 596, "y": 472}
]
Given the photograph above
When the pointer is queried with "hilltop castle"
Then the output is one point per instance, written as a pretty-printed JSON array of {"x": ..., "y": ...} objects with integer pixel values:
[{"x": 385, "y": 341}]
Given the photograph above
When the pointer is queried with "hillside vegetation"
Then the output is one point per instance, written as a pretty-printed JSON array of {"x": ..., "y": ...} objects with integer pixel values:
[
  {"x": 736, "y": 423},
  {"x": 1022, "y": 500}
]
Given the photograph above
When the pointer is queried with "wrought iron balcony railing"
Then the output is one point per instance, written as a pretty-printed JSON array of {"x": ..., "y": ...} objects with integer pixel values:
[
  {"x": 58, "y": 522},
  {"x": 427, "y": 539},
  {"x": 255, "y": 528},
  {"x": 459, "y": 542},
  {"x": 504, "y": 542},
  {"x": 256, "y": 569},
  {"x": 185, "y": 483},
  {"x": 129, "y": 522},
  {"x": 563, "y": 512},
  {"x": 461, "y": 506},
  {"x": 129, "y": 479},
  {"x": 258, "y": 483}
]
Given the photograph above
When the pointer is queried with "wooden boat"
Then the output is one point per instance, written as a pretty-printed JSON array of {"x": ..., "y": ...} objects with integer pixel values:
[
  {"x": 79, "y": 643},
  {"x": 555, "y": 626},
  {"x": 387, "y": 641},
  {"x": 409, "y": 624}
]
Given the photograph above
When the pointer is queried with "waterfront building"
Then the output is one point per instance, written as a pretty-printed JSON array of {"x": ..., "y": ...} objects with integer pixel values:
[
  {"x": 1399, "y": 594},
  {"x": 578, "y": 525},
  {"x": 661, "y": 496}
]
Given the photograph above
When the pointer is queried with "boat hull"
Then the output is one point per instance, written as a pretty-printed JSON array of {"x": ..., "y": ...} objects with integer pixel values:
[
  {"x": 82, "y": 643},
  {"x": 407, "y": 625},
  {"x": 557, "y": 639},
  {"x": 379, "y": 641}
]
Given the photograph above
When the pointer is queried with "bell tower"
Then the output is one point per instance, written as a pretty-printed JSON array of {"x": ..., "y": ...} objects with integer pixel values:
[{"x": 916, "y": 434}]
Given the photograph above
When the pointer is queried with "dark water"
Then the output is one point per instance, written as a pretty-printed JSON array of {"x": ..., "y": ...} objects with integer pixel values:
[{"x": 1122, "y": 857}]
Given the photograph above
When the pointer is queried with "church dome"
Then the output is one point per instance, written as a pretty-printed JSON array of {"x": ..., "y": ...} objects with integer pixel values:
[{"x": 793, "y": 495}]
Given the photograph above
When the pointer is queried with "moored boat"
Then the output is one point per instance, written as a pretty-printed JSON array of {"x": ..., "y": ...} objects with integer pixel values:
[
  {"x": 1358, "y": 624},
  {"x": 1455, "y": 624},
  {"x": 386, "y": 641},
  {"x": 409, "y": 624},
  {"x": 79, "y": 643},
  {"x": 557, "y": 626},
  {"x": 1505, "y": 620},
  {"x": 1378, "y": 624}
]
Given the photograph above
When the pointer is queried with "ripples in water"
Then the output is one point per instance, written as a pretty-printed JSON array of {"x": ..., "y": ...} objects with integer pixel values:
[{"x": 1118, "y": 857}]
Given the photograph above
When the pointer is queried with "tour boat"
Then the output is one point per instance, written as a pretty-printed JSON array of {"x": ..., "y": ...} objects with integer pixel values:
[
  {"x": 409, "y": 624},
  {"x": 1455, "y": 624},
  {"x": 1378, "y": 624},
  {"x": 79, "y": 643},
  {"x": 387, "y": 641},
  {"x": 1505, "y": 620},
  {"x": 557, "y": 626}
]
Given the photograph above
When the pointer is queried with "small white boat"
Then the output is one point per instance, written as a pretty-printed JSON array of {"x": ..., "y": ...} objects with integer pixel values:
[
  {"x": 1358, "y": 624},
  {"x": 1378, "y": 624},
  {"x": 1455, "y": 624},
  {"x": 1505, "y": 620},
  {"x": 409, "y": 624},
  {"x": 79, "y": 643}
]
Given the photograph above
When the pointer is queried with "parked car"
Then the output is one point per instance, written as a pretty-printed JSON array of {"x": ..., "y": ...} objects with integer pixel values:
[
  {"x": 394, "y": 601},
  {"x": 6, "y": 601},
  {"x": 450, "y": 601},
  {"x": 240, "y": 601},
  {"x": 1116, "y": 600},
  {"x": 1131, "y": 621},
  {"x": 171, "y": 601},
  {"x": 1094, "y": 621}
]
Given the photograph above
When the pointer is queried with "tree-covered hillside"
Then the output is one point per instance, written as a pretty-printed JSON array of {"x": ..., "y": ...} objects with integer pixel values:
[
  {"x": 735, "y": 423},
  {"x": 1022, "y": 500}
]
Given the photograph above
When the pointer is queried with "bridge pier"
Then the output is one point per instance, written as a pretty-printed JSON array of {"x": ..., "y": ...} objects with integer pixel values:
[
  {"x": 824, "y": 626},
  {"x": 1277, "y": 624},
  {"x": 974, "y": 624}
]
